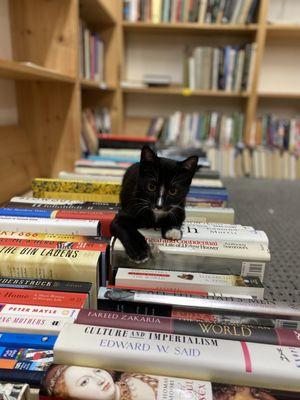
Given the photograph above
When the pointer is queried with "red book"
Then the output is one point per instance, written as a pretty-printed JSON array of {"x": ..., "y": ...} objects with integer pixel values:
[
  {"x": 48, "y": 244},
  {"x": 141, "y": 139},
  {"x": 104, "y": 217},
  {"x": 43, "y": 298}
]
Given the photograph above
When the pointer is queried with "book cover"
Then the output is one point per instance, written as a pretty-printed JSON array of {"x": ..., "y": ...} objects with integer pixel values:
[
  {"x": 77, "y": 382},
  {"x": 219, "y": 304},
  {"x": 225, "y": 284},
  {"x": 38, "y": 310},
  {"x": 76, "y": 190},
  {"x": 249, "y": 333},
  {"x": 209, "y": 214},
  {"x": 47, "y": 225},
  {"x": 43, "y": 263},
  {"x": 207, "y": 256},
  {"x": 25, "y": 359},
  {"x": 35, "y": 341},
  {"x": 180, "y": 356}
]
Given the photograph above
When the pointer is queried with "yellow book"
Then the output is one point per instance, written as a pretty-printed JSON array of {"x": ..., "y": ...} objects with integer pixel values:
[
  {"x": 156, "y": 11},
  {"x": 76, "y": 190},
  {"x": 46, "y": 263}
]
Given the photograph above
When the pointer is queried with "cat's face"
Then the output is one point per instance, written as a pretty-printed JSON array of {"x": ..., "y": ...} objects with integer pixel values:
[{"x": 164, "y": 183}]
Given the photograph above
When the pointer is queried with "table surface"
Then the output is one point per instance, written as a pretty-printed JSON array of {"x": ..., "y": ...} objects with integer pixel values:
[{"x": 273, "y": 206}]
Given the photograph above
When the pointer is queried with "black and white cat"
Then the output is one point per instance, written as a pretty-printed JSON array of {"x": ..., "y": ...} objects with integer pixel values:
[{"x": 153, "y": 196}]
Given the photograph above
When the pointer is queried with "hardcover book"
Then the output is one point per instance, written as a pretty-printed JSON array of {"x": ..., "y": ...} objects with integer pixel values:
[
  {"x": 76, "y": 190},
  {"x": 64, "y": 264},
  {"x": 225, "y": 284},
  {"x": 256, "y": 334},
  {"x": 51, "y": 226},
  {"x": 179, "y": 355},
  {"x": 207, "y": 256}
]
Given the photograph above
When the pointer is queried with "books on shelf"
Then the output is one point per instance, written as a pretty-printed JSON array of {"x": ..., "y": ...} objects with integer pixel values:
[
  {"x": 201, "y": 12},
  {"x": 200, "y": 129},
  {"x": 228, "y": 68},
  {"x": 91, "y": 54}
]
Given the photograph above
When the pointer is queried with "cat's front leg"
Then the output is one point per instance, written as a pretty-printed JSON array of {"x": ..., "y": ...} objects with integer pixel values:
[
  {"x": 135, "y": 245},
  {"x": 172, "y": 232}
]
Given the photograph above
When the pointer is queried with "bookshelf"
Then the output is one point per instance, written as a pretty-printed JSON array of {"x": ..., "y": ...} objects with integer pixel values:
[{"x": 50, "y": 92}]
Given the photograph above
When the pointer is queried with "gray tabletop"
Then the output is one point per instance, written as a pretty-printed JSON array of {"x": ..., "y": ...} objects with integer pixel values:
[{"x": 273, "y": 206}]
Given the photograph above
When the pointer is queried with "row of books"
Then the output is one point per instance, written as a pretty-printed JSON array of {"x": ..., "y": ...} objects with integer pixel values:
[
  {"x": 94, "y": 121},
  {"x": 199, "y": 129},
  {"x": 91, "y": 54},
  {"x": 195, "y": 11},
  {"x": 261, "y": 162},
  {"x": 276, "y": 132},
  {"x": 168, "y": 328},
  {"x": 228, "y": 68}
]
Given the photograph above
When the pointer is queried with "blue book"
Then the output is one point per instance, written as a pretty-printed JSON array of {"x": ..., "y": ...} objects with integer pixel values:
[
  {"x": 206, "y": 196},
  {"x": 25, "y": 212},
  {"x": 120, "y": 159},
  {"x": 45, "y": 342}
]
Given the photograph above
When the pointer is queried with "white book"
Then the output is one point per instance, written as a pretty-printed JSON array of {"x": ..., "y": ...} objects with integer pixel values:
[
  {"x": 191, "y": 66},
  {"x": 21, "y": 323},
  {"x": 210, "y": 214},
  {"x": 99, "y": 171},
  {"x": 223, "y": 232},
  {"x": 209, "y": 256},
  {"x": 215, "y": 69},
  {"x": 233, "y": 362},
  {"x": 48, "y": 225},
  {"x": 202, "y": 11},
  {"x": 89, "y": 178},
  {"x": 39, "y": 200},
  {"x": 39, "y": 311},
  {"x": 191, "y": 282}
]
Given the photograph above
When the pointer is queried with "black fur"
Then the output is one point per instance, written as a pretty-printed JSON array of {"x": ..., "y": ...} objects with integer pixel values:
[{"x": 142, "y": 205}]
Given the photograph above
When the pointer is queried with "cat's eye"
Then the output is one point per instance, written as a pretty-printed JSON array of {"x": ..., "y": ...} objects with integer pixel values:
[
  {"x": 172, "y": 191},
  {"x": 151, "y": 187}
]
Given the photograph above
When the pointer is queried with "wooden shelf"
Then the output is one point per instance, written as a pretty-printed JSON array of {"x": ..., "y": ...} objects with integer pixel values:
[
  {"x": 190, "y": 27},
  {"x": 184, "y": 92},
  {"x": 19, "y": 71},
  {"x": 96, "y": 12},
  {"x": 283, "y": 31},
  {"x": 89, "y": 84},
  {"x": 279, "y": 95}
]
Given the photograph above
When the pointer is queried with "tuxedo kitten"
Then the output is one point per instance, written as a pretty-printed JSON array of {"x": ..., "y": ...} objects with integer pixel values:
[{"x": 152, "y": 196}]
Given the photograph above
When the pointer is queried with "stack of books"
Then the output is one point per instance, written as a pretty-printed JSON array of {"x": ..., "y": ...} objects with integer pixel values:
[
  {"x": 227, "y": 68},
  {"x": 91, "y": 53},
  {"x": 197, "y": 11},
  {"x": 191, "y": 322}
]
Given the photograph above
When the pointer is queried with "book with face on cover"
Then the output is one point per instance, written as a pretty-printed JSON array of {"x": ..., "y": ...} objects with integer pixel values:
[{"x": 183, "y": 356}]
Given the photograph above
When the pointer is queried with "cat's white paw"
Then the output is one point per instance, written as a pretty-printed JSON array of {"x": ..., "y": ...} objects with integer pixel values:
[{"x": 174, "y": 234}]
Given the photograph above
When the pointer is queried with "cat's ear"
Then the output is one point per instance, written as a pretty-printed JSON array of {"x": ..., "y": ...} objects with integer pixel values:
[
  {"x": 148, "y": 155},
  {"x": 190, "y": 164}
]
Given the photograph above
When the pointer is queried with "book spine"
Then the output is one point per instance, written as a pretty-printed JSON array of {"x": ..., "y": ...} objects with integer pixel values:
[
  {"x": 39, "y": 310},
  {"x": 191, "y": 282},
  {"x": 249, "y": 333},
  {"x": 32, "y": 378},
  {"x": 42, "y": 298},
  {"x": 33, "y": 341},
  {"x": 45, "y": 284},
  {"x": 230, "y": 305},
  {"x": 179, "y": 355},
  {"x": 61, "y": 264},
  {"x": 30, "y": 202},
  {"x": 52, "y": 226},
  {"x": 89, "y": 246},
  {"x": 26, "y": 324},
  {"x": 25, "y": 359},
  {"x": 105, "y": 218}
]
